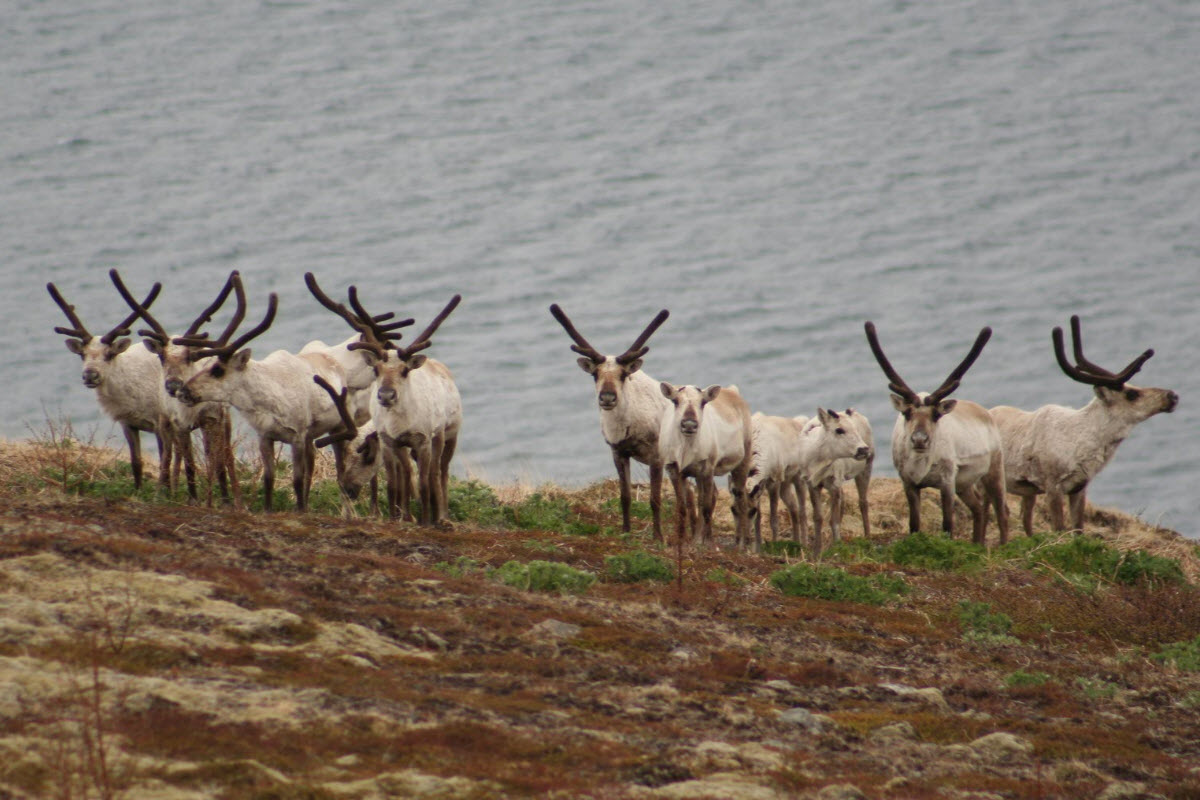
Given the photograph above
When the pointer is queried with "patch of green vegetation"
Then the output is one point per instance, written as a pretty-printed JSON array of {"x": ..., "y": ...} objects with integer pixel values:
[
  {"x": 1096, "y": 689},
  {"x": 856, "y": 551},
  {"x": 638, "y": 509},
  {"x": 539, "y": 512},
  {"x": 1087, "y": 561},
  {"x": 459, "y": 567},
  {"x": 1021, "y": 679},
  {"x": 543, "y": 576},
  {"x": 537, "y": 545},
  {"x": 831, "y": 583},
  {"x": 1183, "y": 655},
  {"x": 473, "y": 501},
  {"x": 1191, "y": 700},
  {"x": 782, "y": 547},
  {"x": 981, "y": 625},
  {"x": 937, "y": 551},
  {"x": 637, "y": 566},
  {"x": 722, "y": 575}
]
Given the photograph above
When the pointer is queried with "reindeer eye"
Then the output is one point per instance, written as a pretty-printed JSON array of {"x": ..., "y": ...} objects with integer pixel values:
[
  {"x": 840, "y": 431},
  {"x": 217, "y": 371},
  {"x": 1132, "y": 394}
]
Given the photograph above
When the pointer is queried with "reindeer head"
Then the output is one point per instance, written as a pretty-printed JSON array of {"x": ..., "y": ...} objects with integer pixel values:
[
  {"x": 1130, "y": 403},
  {"x": 179, "y": 362},
  {"x": 362, "y": 459},
  {"x": 842, "y": 436},
  {"x": 921, "y": 412},
  {"x": 216, "y": 379},
  {"x": 609, "y": 372},
  {"x": 97, "y": 354},
  {"x": 689, "y": 405}
]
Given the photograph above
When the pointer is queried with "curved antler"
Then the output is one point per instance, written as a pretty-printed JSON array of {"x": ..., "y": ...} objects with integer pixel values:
[
  {"x": 952, "y": 381},
  {"x": 232, "y": 283},
  {"x": 157, "y": 333},
  {"x": 350, "y": 430},
  {"x": 895, "y": 382},
  {"x": 80, "y": 331},
  {"x": 225, "y": 351},
  {"x": 638, "y": 348},
  {"x": 122, "y": 327},
  {"x": 581, "y": 345},
  {"x": 423, "y": 341},
  {"x": 1085, "y": 371}
]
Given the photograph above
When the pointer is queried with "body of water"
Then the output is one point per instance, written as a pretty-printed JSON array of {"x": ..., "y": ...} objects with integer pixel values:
[{"x": 774, "y": 173}]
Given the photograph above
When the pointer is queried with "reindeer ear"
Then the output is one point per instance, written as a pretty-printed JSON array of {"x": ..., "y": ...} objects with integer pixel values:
[
  {"x": 587, "y": 365},
  {"x": 945, "y": 407},
  {"x": 711, "y": 393},
  {"x": 633, "y": 366},
  {"x": 154, "y": 346},
  {"x": 369, "y": 449},
  {"x": 668, "y": 390},
  {"x": 75, "y": 346},
  {"x": 1106, "y": 395},
  {"x": 116, "y": 348},
  {"x": 900, "y": 404},
  {"x": 240, "y": 359},
  {"x": 416, "y": 361}
]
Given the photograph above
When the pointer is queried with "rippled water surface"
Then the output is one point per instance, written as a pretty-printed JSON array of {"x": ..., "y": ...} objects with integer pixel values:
[{"x": 774, "y": 173}]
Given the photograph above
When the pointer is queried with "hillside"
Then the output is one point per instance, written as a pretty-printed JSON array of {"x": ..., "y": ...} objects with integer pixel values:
[{"x": 153, "y": 649}]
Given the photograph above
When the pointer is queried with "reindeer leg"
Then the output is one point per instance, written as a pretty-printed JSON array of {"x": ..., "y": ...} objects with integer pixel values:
[
  {"x": 299, "y": 468},
  {"x": 795, "y": 510},
  {"x": 974, "y": 501},
  {"x": 947, "y": 493},
  {"x": 424, "y": 480},
  {"x": 836, "y": 508},
  {"x": 1027, "y": 501},
  {"x": 448, "y": 448},
  {"x": 773, "y": 505},
  {"x": 913, "y": 495},
  {"x": 862, "y": 482},
  {"x": 133, "y": 439},
  {"x": 436, "y": 499},
  {"x": 621, "y": 462},
  {"x": 656, "y": 476},
  {"x": 681, "y": 513},
  {"x": 708, "y": 502},
  {"x": 1054, "y": 504},
  {"x": 994, "y": 485},
  {"x": 266, "y": 451},
  {"x": 1077, "y": 500},
  {"x": 814, "y": 496},
  {"x": 800, "y": 492}
]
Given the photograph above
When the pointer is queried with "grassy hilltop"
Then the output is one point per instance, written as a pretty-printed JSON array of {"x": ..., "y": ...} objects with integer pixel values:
[{"x": 155, "y": 649}]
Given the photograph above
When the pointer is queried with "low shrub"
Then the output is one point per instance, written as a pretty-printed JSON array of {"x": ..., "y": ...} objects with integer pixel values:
[
  {"x": 637, "y": 566},
  {"x": 475, "y": 501},
  {"x": 935, "y": 551},
  {"x": 831, "y": 583},
  {"x": 981, "y": 625},
  {"x": 538, "y": 512},
  {"x": 1085, "y": 561},
  {"x": 543, "y": 576},
  {"x": 1183, "y": 655},
  {"x": 782, "y": 547},
  {"x": 1021, "y": 679}
]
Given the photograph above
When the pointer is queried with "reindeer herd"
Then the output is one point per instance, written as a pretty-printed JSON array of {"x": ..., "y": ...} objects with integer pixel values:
[{"x": 388, "y": 409}]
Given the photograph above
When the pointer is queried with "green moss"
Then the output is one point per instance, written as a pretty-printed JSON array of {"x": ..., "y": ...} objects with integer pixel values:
[
  {"x": 936, "y": 551},
  {"x": 637, "y": 566},
  {"x": 831, "y": 583},
  {"x": 981, "y": 625},
  {"x": 1183, "y": 655},
  {"x": 543, "y": 576}
]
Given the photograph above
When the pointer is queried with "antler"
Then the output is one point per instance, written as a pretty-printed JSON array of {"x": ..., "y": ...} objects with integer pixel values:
[
  {"x": 897, "y": 384},
  {"x": 158, "y": 332},
  {"x": 349, "y": 430},
  {"x": 952, "y": 381},
  {"x": 1085, "y": 371},
  {"x": 122, "y": 327},
  {"x": 232, "y": 283},
  {"x": 423, "y": 341},
  {"x": 80, "y": 331},
  {"x": 638, "y": 348},
  {"x": 581, "y": 345},
  {"x": 225, "y": 351},
  {"x": 373, "y": 336}
]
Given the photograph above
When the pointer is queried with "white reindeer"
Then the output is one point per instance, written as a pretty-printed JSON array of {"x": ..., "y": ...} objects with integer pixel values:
[
  {"x": 775, "y": 469},
  {"x": 276, "y": 396},
  {"x": 1057, "y": 450},
  {"x": 706, "y": 433},
  {"x": 416, "y": 405},
  {"x": 631, "y": 409},
  {"x": 126, "y": 381},
  {"x": 949, "y": 445},
  {"x": 833, "y": 449},
  {"x": 178, "y": 365}
]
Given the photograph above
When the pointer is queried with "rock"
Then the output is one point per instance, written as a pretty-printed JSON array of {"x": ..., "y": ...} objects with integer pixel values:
[
  {"x": 1001, "y": 747},
  {"x": 802, "y": 717},
  {"x": 841, "y": 791},
  {"x": 928, "y": 696},
  {"x": 895, "y": 731},
  {"x": 718, "y": 786},
  {"x": 1127, "y": 790},
  {"x": 683, "y": 654},
  {"x": 552, "y": 629}
]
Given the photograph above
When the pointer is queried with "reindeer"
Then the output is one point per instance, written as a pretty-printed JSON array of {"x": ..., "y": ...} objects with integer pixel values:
[
  {"x": 950, "y": 445},
  {"x": 416, "y": 405},
  {"x": 834, "y": 448},
  {"x": 126, "y": 381},
  {"x": 364, "y": 456},
  {"x": 1057, "y": 450},
  {"x": 775, "y": 469},
  {"x": 178, "y": 365},
  {"x": 276, "y": 396},
  {"x": 706, "y": 433},
  {"x": 631, "y": 408}
]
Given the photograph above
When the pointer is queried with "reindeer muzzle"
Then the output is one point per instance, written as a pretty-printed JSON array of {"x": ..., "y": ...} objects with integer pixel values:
[
  {"x": 920, "y": 440},
  {"x": 607, "y": 400},
  {"x": 91, "y": 378},
  {"x": 862, "y": 453},
  {"x": 183, "y": 395},
  {"x": 1171, "y": 403},
  {"x": 386, "y": 397},
  {"x": 689, "y": 426},
  {"x": 173, "y": 385}
]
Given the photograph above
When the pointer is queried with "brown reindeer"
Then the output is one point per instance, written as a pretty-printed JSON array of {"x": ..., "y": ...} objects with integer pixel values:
[
  {"x": 631, "y": 407},
  {"x": 945, "y": 444},
  {"x": 1057, "y": 450}
]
